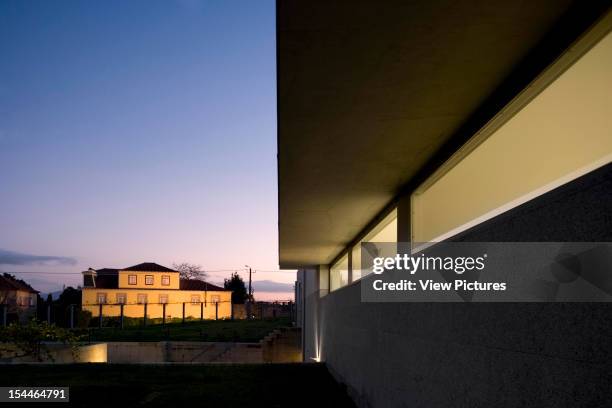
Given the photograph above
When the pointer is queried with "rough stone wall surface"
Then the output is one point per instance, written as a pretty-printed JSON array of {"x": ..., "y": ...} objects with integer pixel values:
[{"x": 484, "y": 354}]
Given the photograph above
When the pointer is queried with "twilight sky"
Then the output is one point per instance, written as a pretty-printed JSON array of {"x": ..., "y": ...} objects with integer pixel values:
[{"x": 135, "y": 131}]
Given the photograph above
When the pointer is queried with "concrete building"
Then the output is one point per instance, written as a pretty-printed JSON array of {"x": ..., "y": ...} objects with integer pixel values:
[
  {"x": 154, "y": 288},
  {"x": 424, "y": 121}
]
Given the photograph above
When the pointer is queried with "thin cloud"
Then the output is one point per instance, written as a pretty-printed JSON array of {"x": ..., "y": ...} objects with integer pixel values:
[
  {"x": 272, "y": 286},
  {"x": 17, "y": 258}
]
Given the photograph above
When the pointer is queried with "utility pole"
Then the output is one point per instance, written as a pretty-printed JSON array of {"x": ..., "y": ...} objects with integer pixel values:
[
  {"x": 250, "y": 294},
  {"x": 251, "y": 272},
  {"x": 250, "y": 280}
]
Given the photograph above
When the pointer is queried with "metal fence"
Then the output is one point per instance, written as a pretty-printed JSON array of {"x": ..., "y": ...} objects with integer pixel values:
[{"x": 74, "y": 316}]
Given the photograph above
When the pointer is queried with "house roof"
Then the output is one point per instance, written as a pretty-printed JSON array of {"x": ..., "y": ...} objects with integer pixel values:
[
  {"x": 148, "y": 267},
  {"x": 106, "y": 271},
  {"x": 195, "y": 284},
  {"x": 9, "y": 283},
  {"x": 107, "y": 281},
  {"x": 108, "y": 278}
]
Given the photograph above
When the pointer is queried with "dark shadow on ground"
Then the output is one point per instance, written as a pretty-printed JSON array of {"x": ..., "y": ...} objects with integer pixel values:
[{"x": 114, "y": 385}]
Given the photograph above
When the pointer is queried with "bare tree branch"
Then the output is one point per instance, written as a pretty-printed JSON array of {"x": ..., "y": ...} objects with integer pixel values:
[{"x": 190, "y": 271}]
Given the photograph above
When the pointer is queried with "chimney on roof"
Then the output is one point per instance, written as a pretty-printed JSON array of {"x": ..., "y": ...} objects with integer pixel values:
[{"x": 89, "y": 278}]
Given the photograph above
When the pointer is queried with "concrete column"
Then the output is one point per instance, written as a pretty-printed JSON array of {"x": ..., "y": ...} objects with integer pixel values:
[
  {"x": 315, "y": 284},
  {"x": 404, "y": 210},
  {"x": 349, "y": 257}
]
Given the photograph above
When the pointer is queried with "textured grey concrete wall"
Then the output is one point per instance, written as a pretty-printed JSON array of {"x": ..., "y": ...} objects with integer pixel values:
[{"x": 484, "y": 354}]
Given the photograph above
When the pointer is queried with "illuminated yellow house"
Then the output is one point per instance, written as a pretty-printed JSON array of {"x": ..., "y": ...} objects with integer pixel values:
[{"x": 151, "y": 289}]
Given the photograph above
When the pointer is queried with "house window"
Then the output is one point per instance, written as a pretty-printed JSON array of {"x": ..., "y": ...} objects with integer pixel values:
[
  {"x": 195, "y": 299},
  {"x": 384, "y": 232},
  {"x": 339, "y": 274},
  {"x": 148, "y": 279},
  {"x": 166, "y": 280},
  {"x": 163, "y": 299},
  {"x": 215, "y": 299},
  {"x": 101, "y": 297},
  {"x": 142, "y": 298},
  {"x": 121, "y": 298},
  {"x": 132, "y": 279},
  {"x": 31, "y": 300}
]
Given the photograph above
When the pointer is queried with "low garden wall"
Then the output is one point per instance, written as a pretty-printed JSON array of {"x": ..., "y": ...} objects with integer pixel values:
[
  {"x": 59, "y": 353},
  {"x": 280, "y": 346}
]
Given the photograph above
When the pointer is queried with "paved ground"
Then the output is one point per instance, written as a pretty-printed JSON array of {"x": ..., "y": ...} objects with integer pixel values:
[{"x": 108, "y": 385}]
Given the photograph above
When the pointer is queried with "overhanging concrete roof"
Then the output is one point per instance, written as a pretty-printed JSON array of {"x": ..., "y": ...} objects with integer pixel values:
[{"x": 372, "y": 93}]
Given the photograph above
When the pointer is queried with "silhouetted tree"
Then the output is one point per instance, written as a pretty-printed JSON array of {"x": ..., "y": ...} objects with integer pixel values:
[
  {"x": 238, "y": 288},
  {"x": 41, "y": 308},
  {"x": 190, "y": 271},
  {"x": 61, "y": 308},
  {"x": 70, "y": 296},
  {"x": 46, "y": 309}
]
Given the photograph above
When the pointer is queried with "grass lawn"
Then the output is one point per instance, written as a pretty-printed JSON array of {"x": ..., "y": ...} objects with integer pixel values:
[
  {"x": 207, "y": 330},
  {"x": 109, "y": 385}
]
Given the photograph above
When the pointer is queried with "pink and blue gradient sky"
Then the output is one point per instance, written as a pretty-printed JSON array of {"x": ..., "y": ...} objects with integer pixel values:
[{"x": 135, "y": 131}]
